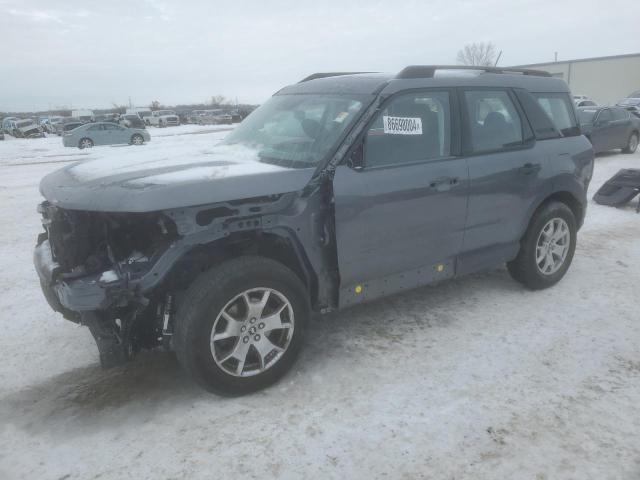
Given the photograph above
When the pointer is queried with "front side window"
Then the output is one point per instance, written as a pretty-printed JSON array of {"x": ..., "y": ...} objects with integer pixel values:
[
  {"x": 494, "y": 122},
  {"x": 411, "y": 128},
  {"x": 110, "y": 126},
  {"x": 297, "y": 131},
  {"x": 604, "y": 116},
  {"x": 559, "y": 109}
]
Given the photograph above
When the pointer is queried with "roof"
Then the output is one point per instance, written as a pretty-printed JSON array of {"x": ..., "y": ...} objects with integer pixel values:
[
  {"x": 590, "y": 59},
  {"x": 431, "y": 76}
]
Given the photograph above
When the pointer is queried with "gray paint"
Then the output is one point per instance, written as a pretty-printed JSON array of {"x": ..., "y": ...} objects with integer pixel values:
[{"x": 393, "y": 226}]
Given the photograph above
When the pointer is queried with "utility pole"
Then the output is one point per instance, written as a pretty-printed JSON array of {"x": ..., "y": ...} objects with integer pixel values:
[{"x": 555, "y": 57}]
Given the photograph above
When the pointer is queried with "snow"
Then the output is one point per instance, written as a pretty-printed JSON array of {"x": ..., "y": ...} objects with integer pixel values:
[
  {"x": 108, "y": 276},
  {"x": 474, "y": 378}
]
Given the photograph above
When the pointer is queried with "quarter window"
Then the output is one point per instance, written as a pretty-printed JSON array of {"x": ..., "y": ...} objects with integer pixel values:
[
  {"x": 559, "y": 109},
  {"x": 412, "y": 127},
  {"x": 494, "y": 122}
]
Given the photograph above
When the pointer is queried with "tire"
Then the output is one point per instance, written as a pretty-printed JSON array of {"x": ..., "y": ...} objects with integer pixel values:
[
  {"x": 525, "y": 268},
  {"x": 85, "y": 143},
  {"x": 137, "y": 139},
  {"x": 200, "y": 313},
  {"x": 632, "y": 143}
]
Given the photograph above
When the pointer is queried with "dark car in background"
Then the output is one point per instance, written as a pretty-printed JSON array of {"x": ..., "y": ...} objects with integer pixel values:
[
  {"x": 131, "y": 120},
  {"x": 631, "y": 103},
  {"x": 610, "y": 128},
  {"x": 67, "y": 127}
]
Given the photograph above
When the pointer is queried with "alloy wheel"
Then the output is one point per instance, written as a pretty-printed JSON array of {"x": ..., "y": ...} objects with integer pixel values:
[
  {"x": 252, "y": 332},
  {"x": 552, "y": 246}
]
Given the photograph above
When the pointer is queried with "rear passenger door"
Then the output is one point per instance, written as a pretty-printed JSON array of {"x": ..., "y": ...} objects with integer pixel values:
[
  {"x": 602, "y": 136},
  {"x": 98, "y": 134},
  {"x": 621, "y": 127},
  {"x": 505, "y": 176},
  {"x": 400, "y": 215}
]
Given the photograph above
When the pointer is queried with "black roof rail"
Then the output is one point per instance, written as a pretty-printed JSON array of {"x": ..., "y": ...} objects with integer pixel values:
[
  {"x": 428, "y": 71},
  {"x": 328, "y": 74}
]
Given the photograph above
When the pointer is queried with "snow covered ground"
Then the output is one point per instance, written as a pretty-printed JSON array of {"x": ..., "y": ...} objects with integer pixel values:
[{"x": 474, "y": 378}]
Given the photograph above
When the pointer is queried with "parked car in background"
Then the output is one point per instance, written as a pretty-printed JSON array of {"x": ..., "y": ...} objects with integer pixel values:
[
  {"x": 84, "y": 116},
  {"x": 69, "y": 126},
  {"x": 163, "y": 118},
  {"x": 131, "y": 120},
  {"x": 1, "y": 135},
  {"x": 236, "y": 116},
  {"x": 579, "y": 98},
  {"x": 631, "y": 103},
  {"x": 106, "y": 117},
  {"x": 586, "y": 103},
  {"x": 225, "y": 256},
  {"x": 609, "y": 128},
  {"x": 142, "y": 112},
  {"x": 214, "y": 117},
  {"x": 104, "y": 133},
  {"x": 195, "y": 115},
  {"x": 7, "y": 124},
  {"x": 62, "y": 126},
  {"x": 27, "y": 128},
  {"x": 53, "y": 122}
]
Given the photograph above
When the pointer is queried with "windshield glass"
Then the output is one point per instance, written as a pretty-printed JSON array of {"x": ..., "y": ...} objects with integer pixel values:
[
  {"x": 297, "y": 131},
  {"x": 586, "y": 116}
]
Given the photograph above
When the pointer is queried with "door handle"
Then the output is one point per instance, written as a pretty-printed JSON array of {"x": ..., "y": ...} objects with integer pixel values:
[
  {"x": 443, "y": 184},
  {"x": 529, "y": 168}
]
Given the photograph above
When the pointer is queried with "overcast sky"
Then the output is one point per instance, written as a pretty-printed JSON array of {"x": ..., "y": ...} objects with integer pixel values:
[{"x": 85, "y": 53}]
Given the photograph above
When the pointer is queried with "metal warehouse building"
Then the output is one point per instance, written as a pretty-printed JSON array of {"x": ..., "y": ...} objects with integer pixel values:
[{"x": 606, "y": 80}]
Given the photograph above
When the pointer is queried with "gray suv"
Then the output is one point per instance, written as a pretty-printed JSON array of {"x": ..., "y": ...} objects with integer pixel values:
[{"x": 340, "y": 189}]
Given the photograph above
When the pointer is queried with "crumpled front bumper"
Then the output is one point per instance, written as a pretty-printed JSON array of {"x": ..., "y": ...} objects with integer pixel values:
[{"x": 70, "y": 296}]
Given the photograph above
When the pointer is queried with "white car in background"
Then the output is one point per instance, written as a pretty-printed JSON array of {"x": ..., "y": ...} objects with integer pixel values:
[{"x": 163, "y": 118}]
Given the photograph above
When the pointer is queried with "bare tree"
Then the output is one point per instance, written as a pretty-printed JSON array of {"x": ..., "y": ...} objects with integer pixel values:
[
  {"x": 156, "y": 105},
  {"x": 118, "y": 108},
  {"x": 218, "y": 100},
  {"x": 479, "y": 54}
]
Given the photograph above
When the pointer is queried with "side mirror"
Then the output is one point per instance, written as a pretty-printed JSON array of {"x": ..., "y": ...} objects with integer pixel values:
[{"x": 356, "y": 159}]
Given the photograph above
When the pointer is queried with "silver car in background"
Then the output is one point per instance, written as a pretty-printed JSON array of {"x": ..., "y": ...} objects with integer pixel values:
[{"x": 104, "y": 133}]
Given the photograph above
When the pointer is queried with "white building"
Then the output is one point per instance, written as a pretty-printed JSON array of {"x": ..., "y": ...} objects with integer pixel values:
[{"x": 606, "y": 80}]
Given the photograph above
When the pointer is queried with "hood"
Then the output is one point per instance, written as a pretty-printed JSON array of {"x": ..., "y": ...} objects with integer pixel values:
[
  {"x": 629, "y": 101},
  {"x": 165, "y": 178}
]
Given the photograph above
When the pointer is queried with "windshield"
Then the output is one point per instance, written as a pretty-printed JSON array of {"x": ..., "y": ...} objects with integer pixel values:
[
  {"x": 297, "y": 131},
  {"x": 586, "y": 116}
]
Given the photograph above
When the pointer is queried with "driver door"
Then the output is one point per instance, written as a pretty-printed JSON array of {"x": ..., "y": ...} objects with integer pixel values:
[{"x": 400, "y": 215}]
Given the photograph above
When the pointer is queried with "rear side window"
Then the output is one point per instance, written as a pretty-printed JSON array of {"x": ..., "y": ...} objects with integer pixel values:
[
  {"x": 412, "y": 127},
  {"x": 559, "y": 108},
  {"x": 494, "y": 122},
  {"x": 620, "y": 114}
]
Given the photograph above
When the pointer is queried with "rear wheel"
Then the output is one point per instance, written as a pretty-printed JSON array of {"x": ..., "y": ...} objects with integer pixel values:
[
  {"x": 632, "y": 144},
  {"x": 85, "y": 143},
  {"x": 137, "y": 139},
  {"x": 547, "y": 248},
  {"x": 239, "y": 326}
]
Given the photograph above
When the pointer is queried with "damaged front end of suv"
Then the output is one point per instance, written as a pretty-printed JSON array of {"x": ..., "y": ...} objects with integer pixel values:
[{"x": 125, "y": 238}]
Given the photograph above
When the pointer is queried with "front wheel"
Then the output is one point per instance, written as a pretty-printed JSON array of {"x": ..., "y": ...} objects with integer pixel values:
[
  {"x": 632, "y": 144},
  {"x": 547, "y": 248},
  {"x": 239, "y": 326},
  {"x": 85, "y": 143}
]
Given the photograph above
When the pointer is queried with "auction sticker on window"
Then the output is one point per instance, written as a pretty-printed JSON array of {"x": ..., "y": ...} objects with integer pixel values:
[{"x": 402, "y": 125}]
